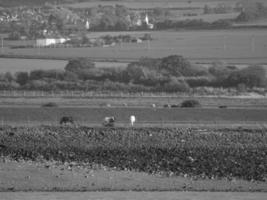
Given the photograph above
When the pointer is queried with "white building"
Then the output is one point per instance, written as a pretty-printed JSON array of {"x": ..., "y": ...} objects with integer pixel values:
[
  {"x": 87, "y": 25},
  {"x": 149, "y": 25},
  {"x": 44, "y": 42}
]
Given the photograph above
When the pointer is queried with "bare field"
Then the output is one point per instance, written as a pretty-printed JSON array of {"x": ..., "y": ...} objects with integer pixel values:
[
  {"x": 145, "y": 116},
  {"x": 234, "y": 46}
]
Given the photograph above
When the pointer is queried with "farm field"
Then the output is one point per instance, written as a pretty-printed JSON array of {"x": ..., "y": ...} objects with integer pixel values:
[
  {"x": 233, "y": 46},
  {"x": 146, "y": 159},
  {"x": 13, "y": 65},
  {"x": 160, "y": 117},
  {"x": 91, "y": 100},
  {"x": 208, "y": 17},
  {"x": 152, "y": 4},
  {"x": 16, "y": 64}
]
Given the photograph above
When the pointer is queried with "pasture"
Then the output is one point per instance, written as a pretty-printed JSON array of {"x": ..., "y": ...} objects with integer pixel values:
[
  {"x": 153, "y": 4},
  {"x": 232, "y": 46},
  {"x": 134, "y": 195},
  {"x": 14, "y": 65},
  {"x": 159, "y": 117},
  {"x": 96, "y": 100},
  {"x": 208, "y": 17}
]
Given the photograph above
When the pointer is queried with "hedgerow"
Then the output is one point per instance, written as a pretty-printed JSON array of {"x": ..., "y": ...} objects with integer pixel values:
[{"x": 220, "y": 153}]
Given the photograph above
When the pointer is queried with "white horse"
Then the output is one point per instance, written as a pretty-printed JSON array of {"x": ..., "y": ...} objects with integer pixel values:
[{"x": 132, "y": 120}]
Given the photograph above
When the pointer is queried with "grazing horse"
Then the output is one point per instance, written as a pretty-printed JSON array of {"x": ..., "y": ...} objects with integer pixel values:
[
  {"x": 109, "y": 121},
  {"x": 66, "y": 120},
  {"x": 132, "y": 120}
]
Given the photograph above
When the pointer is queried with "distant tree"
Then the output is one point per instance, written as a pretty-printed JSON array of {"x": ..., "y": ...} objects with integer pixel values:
[
  {"x": 252, "y": 76},
  {"x": 176, "y": 65},
  {"x": 36, "y": 74},
  {"x": 190, "y": 103},
  {"x": 121, "y": 25},
  {"x": 135, "y": 73},
  {"x": 175, "y": 85},
  {"x": 9, "y": 77},
  {"x": 22, "y": 78},
  {"x": 220, "y": 70},
  {"x": 70, "y": 76},
  {"x": 207, "y": 9},
  {"x": 252, "y": 11},
  {"x": 79, "y": 65},
  {"x": 222, "y": 23},
  {"x": 121, "y": 11}
]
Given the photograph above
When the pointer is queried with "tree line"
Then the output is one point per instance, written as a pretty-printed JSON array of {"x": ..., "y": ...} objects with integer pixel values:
[{"x": 169, "y": 74}]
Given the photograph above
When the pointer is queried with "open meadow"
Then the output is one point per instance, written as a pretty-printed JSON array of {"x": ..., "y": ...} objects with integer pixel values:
[{"x": 232, "y": 46}]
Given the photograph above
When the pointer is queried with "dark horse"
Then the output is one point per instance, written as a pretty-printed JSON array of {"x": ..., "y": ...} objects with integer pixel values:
[
  {"x": 109, "y": 121},
  {"x": 66, "y": 120}
]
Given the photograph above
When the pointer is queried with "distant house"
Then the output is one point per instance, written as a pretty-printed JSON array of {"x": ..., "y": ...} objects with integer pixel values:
[
  {"x": 149, "y": 25},
  {"x": 43, "y": 42}
]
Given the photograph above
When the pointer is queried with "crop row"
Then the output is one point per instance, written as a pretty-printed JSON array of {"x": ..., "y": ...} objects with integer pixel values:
[{"x": 209, "y": 153}]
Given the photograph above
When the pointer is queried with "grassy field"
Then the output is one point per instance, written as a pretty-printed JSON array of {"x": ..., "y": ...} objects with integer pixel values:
[
  {"x": 134, "y": 195},
  {"x": 145, "y": 116},
  {"x": 159, "y": 3},
  {"x": 15, "y": 64},
  {"x": 233, "y": 46},
  {"x": 153, "y": 4},
  {"x": 37, "y": 99},
  {"x": 208, "y": 17}
]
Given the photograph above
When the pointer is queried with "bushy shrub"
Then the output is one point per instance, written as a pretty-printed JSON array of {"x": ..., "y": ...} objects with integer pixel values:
[
  {"x": 79, "y": 65},
  {"x": 50, "y": 104},
  {"x": 175, "y": 85},
  {"x": 252, "y": 76},
  {"x": 22, "y": 78},
  {"x": 190, "y": 104}
]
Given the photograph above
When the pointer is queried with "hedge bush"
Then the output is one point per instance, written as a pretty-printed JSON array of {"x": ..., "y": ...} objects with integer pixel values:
[{"x": 190, "y": 104}]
